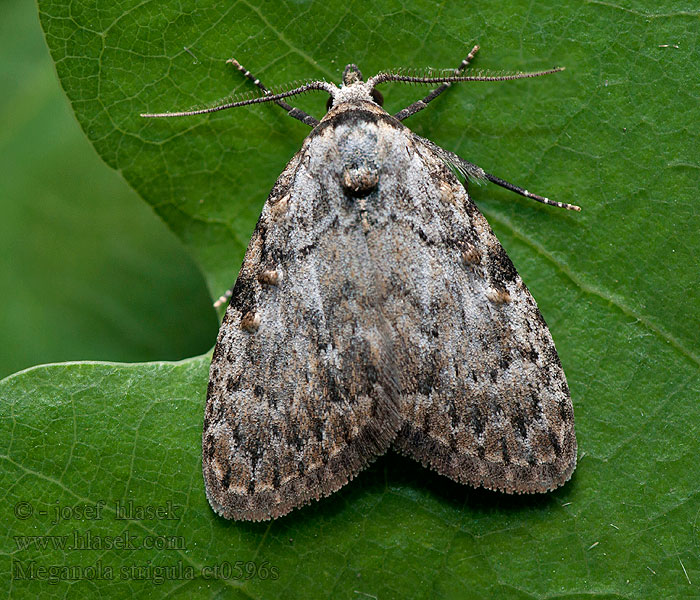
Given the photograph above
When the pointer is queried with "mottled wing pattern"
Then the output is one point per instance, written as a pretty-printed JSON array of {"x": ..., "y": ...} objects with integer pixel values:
[
  {"x": 376, "y": 306},
  {"x": 484, "y": 397},
  {"x": 302, "y": 390}
]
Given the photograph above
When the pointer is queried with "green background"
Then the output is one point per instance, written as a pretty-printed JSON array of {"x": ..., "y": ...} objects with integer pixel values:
[
  {"x": 616, "y": 133},
  {"x": 87, "y": 270}
]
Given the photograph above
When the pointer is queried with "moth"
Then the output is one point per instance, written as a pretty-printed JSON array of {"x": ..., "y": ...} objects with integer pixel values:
[{"x": 376, "y": 309}]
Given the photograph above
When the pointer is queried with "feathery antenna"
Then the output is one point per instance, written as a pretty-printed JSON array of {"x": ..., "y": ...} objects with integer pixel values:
[
  {"x": 312, "y": 85},
  {"x": 388, "y": 76}
]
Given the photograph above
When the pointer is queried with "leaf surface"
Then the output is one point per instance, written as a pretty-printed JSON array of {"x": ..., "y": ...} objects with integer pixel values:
[{"x": 615, "y": 133}]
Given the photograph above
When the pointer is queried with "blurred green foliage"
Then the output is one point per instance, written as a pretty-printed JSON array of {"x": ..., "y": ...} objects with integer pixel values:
[{"x": 87, "y": 271}]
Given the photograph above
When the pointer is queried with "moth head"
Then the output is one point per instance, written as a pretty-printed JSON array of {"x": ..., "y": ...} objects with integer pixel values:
[
  {"x": 351, "y": 75},
  {"x": 354, "y": 89}
]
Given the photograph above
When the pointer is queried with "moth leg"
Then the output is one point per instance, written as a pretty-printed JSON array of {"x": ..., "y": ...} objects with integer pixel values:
[
  {"x": 524, "y": 192},
  {"x": 225, "y": 297},
  {"x": 421, "y": 104},
  {"x": 470, "y": 170},
  {"x": 292, "y": 111}
]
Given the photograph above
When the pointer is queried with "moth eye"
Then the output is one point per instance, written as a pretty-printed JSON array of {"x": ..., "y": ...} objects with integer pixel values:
[
  {"x": 329, "y": 103},
  {"x": 377, "y": 97}
]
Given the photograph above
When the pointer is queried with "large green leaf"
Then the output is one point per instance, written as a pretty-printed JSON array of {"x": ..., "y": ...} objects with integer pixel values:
[{"x": 616, "y": 133}]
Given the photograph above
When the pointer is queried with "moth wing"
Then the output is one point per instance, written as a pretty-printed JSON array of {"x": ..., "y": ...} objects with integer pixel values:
[
  {"x": 302, "y": 391},
  {"x": 484, "y": 397}
]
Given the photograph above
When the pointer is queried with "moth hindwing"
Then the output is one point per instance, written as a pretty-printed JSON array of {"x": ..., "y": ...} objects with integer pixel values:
[{"x": 375, "y": 308}]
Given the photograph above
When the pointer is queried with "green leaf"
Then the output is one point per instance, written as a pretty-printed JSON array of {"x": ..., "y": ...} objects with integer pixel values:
[
  {"x": 77, "y": 243},
  {"x": 615, "y": 133}
]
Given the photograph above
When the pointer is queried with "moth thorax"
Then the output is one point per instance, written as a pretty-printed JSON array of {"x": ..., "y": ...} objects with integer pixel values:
[
  {"x": 355, "y": 93},
  {"x": 358, "y": 151},
  {"x": 360, "y": 180}
]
